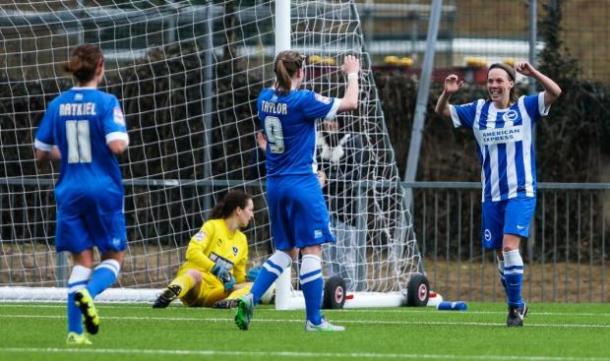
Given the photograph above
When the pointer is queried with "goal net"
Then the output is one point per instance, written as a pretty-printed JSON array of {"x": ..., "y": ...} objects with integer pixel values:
[{"x": 187, "y": 74}]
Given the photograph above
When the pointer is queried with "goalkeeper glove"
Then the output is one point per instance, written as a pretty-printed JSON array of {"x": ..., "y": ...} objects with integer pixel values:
[
  {"x": 223, "y": 274},
  {"x": 253, "y": 273}
]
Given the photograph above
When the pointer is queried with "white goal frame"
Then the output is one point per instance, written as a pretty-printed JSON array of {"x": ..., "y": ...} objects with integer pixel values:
[{"x": 286, "y": 297}]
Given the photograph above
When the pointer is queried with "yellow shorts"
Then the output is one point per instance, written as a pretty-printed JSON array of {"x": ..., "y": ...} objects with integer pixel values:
[{"x": 210, "y": 290}]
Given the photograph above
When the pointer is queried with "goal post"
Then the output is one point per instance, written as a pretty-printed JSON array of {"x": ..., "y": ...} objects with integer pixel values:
[
  {"x": 369, "y": 269},
  {"x": 285, "y": 297},
  {"x": 187, "y": 74}
]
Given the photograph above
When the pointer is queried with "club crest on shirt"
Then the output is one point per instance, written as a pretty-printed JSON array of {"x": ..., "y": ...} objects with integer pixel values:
[
  {"x": 510, "y": 116},
  {"x": 322, "y": 99},
  {"x": 235, "y": 251},
  {"x": 119, "y": 118}
]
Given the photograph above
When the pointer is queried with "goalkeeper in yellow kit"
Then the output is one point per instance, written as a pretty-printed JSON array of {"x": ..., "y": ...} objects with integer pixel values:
[{"x": 214, "y": 273}]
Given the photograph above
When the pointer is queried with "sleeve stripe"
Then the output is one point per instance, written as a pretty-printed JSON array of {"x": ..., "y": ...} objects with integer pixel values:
[
  {"x": 117, "y": 136},
  {"x": 454, "y": 117},
  {"x": 543, "y": 109},
  {"x": 42, "y": 146},
  {"x": 333, "y": 110}
]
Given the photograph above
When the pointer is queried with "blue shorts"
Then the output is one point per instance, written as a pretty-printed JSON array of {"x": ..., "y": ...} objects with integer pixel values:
[
  {"x": 94, "y": 222},
  {"x": 298, "y": 213},
  {"x": 511, "y": 216}
]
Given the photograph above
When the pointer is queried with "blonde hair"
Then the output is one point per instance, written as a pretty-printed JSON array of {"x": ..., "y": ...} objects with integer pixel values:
[{"x": 286, "y": 64}]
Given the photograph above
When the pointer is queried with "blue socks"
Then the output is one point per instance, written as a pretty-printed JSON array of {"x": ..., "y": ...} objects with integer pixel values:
[
  {"x": 513, "y": 274},
  {"x": 104, "y": 276},
  {"x": 77, "y": 281},
  {"x": 312, "y": 284},
  {"x": 271, "y": 270},
  {"x": 310, "y": 278}
]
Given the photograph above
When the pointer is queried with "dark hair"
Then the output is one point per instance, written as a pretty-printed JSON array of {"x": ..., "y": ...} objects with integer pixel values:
[
  {"x": 84, "y": 61},
  {"x": 286, "y": 64},
  {"x": 229, "y": 203},
  {"x": 511, "y": 75}
]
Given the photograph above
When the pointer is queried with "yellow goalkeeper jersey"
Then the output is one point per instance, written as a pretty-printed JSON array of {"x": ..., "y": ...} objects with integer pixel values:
[{"x": 214, "y": 243}]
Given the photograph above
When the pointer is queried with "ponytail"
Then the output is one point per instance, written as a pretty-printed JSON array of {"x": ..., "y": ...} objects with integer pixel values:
[
  {"x": 287, "y": 63},
  {"x": 284, "y": 84}
]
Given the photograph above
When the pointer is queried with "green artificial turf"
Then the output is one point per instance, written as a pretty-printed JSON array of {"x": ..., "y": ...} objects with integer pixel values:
[{"x": 559, "y": 332}]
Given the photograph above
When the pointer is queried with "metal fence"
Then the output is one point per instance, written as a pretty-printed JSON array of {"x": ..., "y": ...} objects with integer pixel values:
[{"x": 566, "y": 255}]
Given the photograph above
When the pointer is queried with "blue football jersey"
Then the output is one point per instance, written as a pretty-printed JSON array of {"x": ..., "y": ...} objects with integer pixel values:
[
  {"x": 81, "y": 122},
  {"x": 504, "y": 144},
  {"x": 289, "y": 124}
]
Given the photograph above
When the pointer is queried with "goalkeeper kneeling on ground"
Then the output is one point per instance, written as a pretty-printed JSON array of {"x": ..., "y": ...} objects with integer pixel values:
[{"x": 214, "y": 273}]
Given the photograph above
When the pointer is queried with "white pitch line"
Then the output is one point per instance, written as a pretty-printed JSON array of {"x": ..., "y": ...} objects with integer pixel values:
[
  {"x": 389, "y": 310},
  {"x": 356, "y": 322},
  {"x": 289, "y": 354}
]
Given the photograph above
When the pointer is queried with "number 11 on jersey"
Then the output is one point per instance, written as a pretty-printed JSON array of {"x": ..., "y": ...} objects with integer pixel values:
[{"x": 79, "y": 143}]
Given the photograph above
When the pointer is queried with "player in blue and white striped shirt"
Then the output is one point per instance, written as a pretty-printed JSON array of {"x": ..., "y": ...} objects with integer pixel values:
[
  {"x": 85, "y": 129},
  {"x": 502, "y": 127}
]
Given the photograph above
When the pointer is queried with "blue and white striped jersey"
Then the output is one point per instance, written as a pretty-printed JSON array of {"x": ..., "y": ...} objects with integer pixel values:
[
  {"x": 289, "y": 123},
  {"x": 504, "y": 144}
]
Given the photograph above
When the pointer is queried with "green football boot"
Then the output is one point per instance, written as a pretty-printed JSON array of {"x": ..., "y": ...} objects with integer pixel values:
[{"x": 84, "y": 302}]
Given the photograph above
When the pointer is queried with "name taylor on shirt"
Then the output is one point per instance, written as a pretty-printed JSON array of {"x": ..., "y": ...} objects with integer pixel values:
[
  {"x": 72, "y": 109},
  {"x": 275, "y": 108}
]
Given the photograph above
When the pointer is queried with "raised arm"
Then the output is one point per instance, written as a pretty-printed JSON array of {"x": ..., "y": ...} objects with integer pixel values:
[
  {"x": 351, "y": 67},
  {"x": 452, "y": 85},
  {"x": 551, "y": 89}
]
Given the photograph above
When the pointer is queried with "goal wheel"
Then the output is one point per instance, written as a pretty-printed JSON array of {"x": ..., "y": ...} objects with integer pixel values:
[
  {"x": 334, "y": 293},
  {"x": 418, "y": 290}
]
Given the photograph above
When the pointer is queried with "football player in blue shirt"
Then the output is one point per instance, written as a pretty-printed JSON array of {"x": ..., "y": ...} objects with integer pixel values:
[
  {"x": 502, "y": 127},
  {"x": 298, "y": 213},
  {"x": 85, "y": 129}
]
